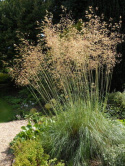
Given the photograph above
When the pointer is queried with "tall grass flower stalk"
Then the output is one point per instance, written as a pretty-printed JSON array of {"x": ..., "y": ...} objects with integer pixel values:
[
  {"x": 74, "y": 69},
  {"x": 71, "y": 58}
]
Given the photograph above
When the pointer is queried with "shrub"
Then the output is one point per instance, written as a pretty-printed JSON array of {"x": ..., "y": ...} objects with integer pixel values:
[
  {"x": 116, "y": 105},
  {"x": 31, "y": 153},
  {"x": 37, "y": 125}
]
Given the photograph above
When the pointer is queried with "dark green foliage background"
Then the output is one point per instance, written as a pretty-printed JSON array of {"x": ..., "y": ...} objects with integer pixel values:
[{"x": 19, "y": 16}]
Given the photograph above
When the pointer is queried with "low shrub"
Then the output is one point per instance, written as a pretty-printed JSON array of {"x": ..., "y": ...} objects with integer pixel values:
[
  {"x": 37, "y": 125},
  {"x": 116, "y": 105},
  {"x": 31, "y": 153},
  {"x": 28, "y": 132}
]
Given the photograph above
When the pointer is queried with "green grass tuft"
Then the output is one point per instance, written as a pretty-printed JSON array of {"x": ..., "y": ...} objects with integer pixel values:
[{"x": 81, "y": 134}]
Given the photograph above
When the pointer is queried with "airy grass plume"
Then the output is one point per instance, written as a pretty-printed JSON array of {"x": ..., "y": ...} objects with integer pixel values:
[{"x": 70, "y": 56}]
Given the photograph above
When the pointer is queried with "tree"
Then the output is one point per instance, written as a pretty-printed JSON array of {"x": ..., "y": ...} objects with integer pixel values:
[{"x": 19, "y": 16}]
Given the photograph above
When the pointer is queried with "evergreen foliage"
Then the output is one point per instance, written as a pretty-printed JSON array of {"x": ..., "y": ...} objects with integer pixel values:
[{"x": 19, "y": 17}]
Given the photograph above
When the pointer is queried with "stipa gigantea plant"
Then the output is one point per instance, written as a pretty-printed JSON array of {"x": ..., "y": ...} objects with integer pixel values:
[
  {"x": 77, "y": 64},
  {"x": 71, "y": 56}
]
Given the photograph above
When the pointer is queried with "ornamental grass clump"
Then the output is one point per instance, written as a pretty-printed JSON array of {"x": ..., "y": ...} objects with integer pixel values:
[
  {"x": 82, "y": 134},
  {"x": 74, "y": 69}
]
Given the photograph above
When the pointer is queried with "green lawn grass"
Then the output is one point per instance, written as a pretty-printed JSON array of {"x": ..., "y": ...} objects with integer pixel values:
[{"x": 6, "y": 112}]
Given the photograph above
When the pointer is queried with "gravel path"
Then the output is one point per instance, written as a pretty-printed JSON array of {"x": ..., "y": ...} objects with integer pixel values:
[{"x": 7, "y": 132}]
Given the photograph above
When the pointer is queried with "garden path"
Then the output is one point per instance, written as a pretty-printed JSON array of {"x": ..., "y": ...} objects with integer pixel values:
[{"x": 8, "y": 131}]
